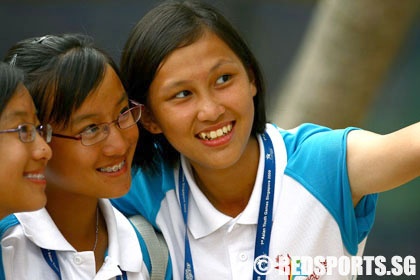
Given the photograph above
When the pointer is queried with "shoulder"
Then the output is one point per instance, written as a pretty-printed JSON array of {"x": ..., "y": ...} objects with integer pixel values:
[
  {"x": 14, "y": 243},
  {"x": 161, "y": 178},
  {"x": 148, "y": 190},
  {"x": 317, "y": 162},
  {"x": 7, "y": 223},
  {"x": 312, "y": 139},
  {"x": 11, "y": 232}
]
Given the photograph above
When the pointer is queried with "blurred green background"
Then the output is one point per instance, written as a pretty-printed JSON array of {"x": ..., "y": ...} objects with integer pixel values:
[{"x": 274, "y": 30}]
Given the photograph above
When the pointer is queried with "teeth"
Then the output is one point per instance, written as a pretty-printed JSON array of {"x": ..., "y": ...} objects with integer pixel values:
[
  {"x": 114, "y": 168},
  {"x": 35, "y": 176},
  {"x": 215, "y": 133}
]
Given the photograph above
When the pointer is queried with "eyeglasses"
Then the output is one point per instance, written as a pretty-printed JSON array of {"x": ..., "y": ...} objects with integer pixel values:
[
  {"x": 28, "y": 131},
  {"x": 99, "y": 132}
]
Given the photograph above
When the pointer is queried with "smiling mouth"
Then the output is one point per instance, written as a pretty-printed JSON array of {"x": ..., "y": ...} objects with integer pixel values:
[
  {"x": 214, "y": 134},
  {"x": 113, "y": 168}
]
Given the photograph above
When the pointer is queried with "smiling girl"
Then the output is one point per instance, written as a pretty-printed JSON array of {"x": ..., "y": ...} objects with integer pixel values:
[
  {"x": 24, "y": 153},
  {"x": 78, "y": 235},
  {"x": 233, "y": 194}
]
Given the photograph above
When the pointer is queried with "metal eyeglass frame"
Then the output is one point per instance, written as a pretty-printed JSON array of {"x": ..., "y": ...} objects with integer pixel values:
[
  {"x": 105, "y": 127},
  {"x": 45, "y": 131}
]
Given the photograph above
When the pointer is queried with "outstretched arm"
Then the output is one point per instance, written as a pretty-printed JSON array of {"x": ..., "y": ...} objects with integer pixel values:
[{"x": 378, "y": 163}]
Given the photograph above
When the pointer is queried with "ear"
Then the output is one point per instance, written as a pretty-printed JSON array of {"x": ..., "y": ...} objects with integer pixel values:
[
  {"x": 253, "y": 87},
  {"x": 148, "y": 122}
]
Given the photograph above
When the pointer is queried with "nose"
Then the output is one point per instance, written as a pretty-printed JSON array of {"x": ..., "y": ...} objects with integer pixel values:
[
  {"x": 119, "y": 140},
  {"x": 209, "y": 109},
  {"x": 42, "y": 150}
]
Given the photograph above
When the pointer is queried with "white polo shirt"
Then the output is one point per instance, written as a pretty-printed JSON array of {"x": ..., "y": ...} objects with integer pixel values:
[
  {"x": 313, "y": 213},
  {"x": 23, "y": 259}
]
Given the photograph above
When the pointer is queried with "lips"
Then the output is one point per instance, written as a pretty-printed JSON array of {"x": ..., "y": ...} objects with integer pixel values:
[{"x": 214, "y": 134}]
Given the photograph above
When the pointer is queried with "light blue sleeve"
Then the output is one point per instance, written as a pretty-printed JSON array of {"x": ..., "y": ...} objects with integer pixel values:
[
  {"x": 146, "y": 193},
  {"x": 317, "y": 159}
]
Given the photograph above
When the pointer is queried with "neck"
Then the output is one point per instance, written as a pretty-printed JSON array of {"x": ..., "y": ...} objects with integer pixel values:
[
  {"x": 224, "y": 188},
  {"x": 76, "y": 218}
]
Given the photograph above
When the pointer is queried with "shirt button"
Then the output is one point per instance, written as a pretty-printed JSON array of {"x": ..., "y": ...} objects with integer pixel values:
[
  {"x": 243, "y": 257},
  {"x": 78, "y": 260}
]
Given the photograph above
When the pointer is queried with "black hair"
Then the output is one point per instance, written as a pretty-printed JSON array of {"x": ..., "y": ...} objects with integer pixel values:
[
  {"x": 10, "y": 79},
  {"x": 60, "y": 72},
  {"x": 167, "y": 27}
]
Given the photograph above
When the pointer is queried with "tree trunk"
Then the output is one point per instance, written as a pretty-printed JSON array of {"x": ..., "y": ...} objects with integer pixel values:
[{"x": 346, "y": 54}]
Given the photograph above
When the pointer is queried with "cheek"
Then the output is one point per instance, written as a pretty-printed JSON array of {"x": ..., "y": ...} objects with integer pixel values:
[
  {"x": 14, "y": 158},
  {"x": 243, "y": 100},
  {"x": 133, "y": 134},
  {"x": 68, "y": 157},
  {"x": 173, "y": 124},
  {"x": 68, "y": 167},
  {"x": 178, "y": 131},
  {"x": 11, "y": 170}
]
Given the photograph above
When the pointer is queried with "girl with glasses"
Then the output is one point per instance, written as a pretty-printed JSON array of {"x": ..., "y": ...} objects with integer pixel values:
[
  {"x": 78, "y": 235},
  {"x": 241, "y": 198},
  {"x": 23, "y": 148}
]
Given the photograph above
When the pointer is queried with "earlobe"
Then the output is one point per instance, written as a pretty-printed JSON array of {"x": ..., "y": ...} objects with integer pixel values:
[
  {"x": 148, "y": 122},
  {"x": 253, "y": 89}
]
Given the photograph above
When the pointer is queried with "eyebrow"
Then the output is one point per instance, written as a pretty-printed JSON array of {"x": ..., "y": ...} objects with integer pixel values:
[
  {"x": 80, "y": 118},
  {"x": 16, "y": 114},
  {"x": 221, "y": 62}
]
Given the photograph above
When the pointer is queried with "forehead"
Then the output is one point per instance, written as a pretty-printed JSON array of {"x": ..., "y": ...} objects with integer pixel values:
[
  {"x": 109, "y": 91},
  {"x": 206, "y": 49},
  {"x": 209, "y": 39},
  {"x": 20, "y": 105},
  {"x": 103, "y": 99}
]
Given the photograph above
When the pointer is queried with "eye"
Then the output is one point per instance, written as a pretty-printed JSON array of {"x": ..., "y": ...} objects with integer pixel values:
[
  {"x": 91, "y": 131},
  {"x": 183, "y": 94},
  {"x": 223, "y": 79},
  {"x": 123, "y": 110},
  {"x": 123, "y": 113}
]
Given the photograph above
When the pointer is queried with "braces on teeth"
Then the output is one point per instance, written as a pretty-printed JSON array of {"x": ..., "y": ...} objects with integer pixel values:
[{"x": 113, "y": 168}]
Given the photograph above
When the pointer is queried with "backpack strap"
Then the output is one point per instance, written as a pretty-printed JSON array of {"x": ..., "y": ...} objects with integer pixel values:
[{"x": 156, "y": 246}]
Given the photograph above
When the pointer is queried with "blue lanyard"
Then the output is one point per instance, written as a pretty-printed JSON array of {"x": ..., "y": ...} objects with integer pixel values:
[
  {"x": 265, "y": 216},
  {"x": 50, "y": 257},
  {"x": 52, "y": 260}
]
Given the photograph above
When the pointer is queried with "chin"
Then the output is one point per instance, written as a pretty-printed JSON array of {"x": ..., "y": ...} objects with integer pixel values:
[
  {"x": 36, "y": 203},
  {"x": 121, "y": 190}
]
